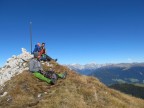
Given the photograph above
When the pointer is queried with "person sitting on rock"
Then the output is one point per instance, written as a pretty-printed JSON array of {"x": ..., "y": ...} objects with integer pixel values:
[
  {"x": 36, "y": 68},
  {"x": 43, "y": 54},
  {"x": 37, "y": 48}
]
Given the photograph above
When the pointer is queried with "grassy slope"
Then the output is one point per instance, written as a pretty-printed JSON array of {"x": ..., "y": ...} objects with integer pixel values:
[
  {"x": 76, "y": 91},
  {"x": 134, "y": 90}
]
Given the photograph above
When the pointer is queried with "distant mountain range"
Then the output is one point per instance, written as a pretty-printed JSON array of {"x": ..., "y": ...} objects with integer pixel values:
[
  {"x": 113, "y": 73},
  {"x": 85, "y": 69}
]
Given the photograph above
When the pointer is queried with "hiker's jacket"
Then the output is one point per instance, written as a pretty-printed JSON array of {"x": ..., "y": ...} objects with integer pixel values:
[
  {"x": 42, "y": 51},
  {"x": 35, "y": 65},
  {"x": 37, "y": 48}
]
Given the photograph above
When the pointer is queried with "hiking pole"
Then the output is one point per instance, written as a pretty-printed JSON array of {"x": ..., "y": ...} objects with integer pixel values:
[{"x": 31, "y": 36}]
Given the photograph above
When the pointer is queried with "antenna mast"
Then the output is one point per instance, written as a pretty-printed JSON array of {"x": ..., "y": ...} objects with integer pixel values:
[{"x": 31, "y": 36}]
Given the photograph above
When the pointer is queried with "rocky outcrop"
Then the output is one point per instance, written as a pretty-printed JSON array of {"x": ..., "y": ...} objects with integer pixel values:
[{"x": 14, "y": 65}]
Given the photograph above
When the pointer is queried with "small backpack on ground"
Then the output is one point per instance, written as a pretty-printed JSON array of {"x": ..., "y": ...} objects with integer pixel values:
[{"x": 51, "y": 75}]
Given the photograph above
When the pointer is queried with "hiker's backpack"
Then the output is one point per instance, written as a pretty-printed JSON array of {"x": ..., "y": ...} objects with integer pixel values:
[{"x": 51, "y": 75}]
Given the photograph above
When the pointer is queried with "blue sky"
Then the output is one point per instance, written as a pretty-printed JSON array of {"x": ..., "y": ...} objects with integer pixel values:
[{"x": 75, "y": 31}]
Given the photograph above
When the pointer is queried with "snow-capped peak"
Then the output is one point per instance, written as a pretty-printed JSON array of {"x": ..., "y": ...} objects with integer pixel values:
[
  {"x": 14, "y": 65},
  {"x": 92, "y": 66},
  {"x": 86, "y": 66}
]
